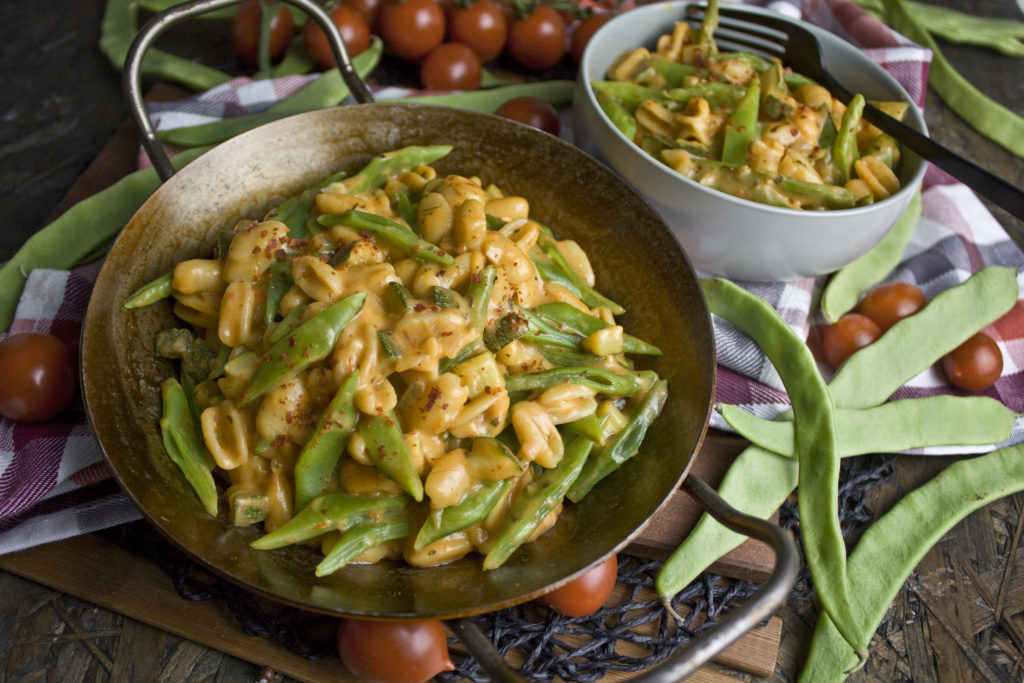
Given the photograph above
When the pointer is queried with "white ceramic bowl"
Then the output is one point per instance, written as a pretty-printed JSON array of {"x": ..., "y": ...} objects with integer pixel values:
[{"x": 722, "y": 234}]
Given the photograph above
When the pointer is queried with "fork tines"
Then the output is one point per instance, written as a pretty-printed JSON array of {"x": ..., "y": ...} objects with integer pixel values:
[{"x": 737, "y": 31}]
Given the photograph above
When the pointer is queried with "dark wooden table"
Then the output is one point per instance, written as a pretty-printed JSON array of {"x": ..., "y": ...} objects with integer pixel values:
[{"x": 957, "y": 619}]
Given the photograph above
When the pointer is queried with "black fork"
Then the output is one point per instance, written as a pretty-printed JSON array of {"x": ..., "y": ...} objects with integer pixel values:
[{"x": 799, "y": 49}]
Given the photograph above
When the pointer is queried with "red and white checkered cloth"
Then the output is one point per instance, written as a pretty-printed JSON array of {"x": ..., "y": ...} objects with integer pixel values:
[{"x": 55, "y": 484}]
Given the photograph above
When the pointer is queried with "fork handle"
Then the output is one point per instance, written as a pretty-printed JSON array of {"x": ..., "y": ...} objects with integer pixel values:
[{"x": 983, "y": 182}]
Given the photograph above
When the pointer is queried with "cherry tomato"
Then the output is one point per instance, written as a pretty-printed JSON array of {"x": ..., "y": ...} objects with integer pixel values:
[
  {"x": 889, "y": 303},
  {"x": 586, "y": 594},
  {"x": 537, "y": 41},
  {"x": 411, "y": 28},
  {"x": 533, "y": 111},
  {"x": 354, "y": 32},
  {"x": 369, "y": 9},
  {"x": 583, "y": 32},
  {"x": 851, "y": 332},
  {"x": 39, "y": 377},
  {"x": 393, "y": 651},
  {"x": 451, "y": 66},
  {"x": 481, "y": 25},
  {"x": 245, "y": 32},
  {"x": 974, "y": 365}
]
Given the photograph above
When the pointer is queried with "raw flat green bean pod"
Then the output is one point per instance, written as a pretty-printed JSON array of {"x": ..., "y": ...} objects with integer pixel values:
[
  {"x": 81, "y": 231},
  {"x": 851, "y": 282},
  {"x": 818, "y": 456},
  {"x": 987, "y": 116},
  {"x": 759, "y": 480},
  {"x": 326, "y": 90},
  {"x": 389, "y": 164},
  {"x": 308, "y": 343},
  {"x": 118, "y": 29},
  {"x": 895, "y": 543},
  {"x": 896, "y": 426},
  {"x": 557, "y": 93},
  {"x": 913, "y": 344},
  {"x": 999, "y": 34}
]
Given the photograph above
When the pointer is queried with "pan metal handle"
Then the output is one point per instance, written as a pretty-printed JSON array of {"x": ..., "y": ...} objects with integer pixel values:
[
  {"x": 131, "y": 81},
  {"x": 698, "y": 651}
]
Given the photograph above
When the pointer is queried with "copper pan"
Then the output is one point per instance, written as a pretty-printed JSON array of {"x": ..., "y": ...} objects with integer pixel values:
[{"x": 638, "y": 262}]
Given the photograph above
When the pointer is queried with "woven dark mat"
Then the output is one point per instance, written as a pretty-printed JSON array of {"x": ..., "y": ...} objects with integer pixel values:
[{"x": 548, "y": 641}]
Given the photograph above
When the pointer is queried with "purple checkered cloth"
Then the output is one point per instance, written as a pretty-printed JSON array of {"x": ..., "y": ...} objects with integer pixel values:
[{"x": 54, "y": 482}]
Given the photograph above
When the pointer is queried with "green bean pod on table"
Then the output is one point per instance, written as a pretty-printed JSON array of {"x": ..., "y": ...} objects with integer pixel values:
[{"x": 392, "y": 377}]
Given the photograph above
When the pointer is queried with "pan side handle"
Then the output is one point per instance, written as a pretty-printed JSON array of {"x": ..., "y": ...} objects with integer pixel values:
[
  {"x": 131, "y": 81},
  {"x": 698, "y": 651}
]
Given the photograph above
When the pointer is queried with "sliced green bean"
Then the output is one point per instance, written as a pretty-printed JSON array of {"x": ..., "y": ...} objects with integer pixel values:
[
  {"x": 741, "y": 126},
  {"x": 395, "y": 233},
  {"x": 818, "y": 472},
  {"x": 184, "y": 444},
  {"x": 897, "y": 541},
  {"x": 617, "y": 113},
  {"x": 912, "y": 345},
  {"x": 389, "y": 164},
  {"x": 474, "y": 508},
  {"x": 568, "y": 315},
  {"x": 278, "y": 284},
  {"x": 479, "y": 294},
  {"x": 308, "y": 343},
  {"x": 314, "y": 467},
  {"x": 294, "y": 212},
  {"x": 851, "y": 282},
  {"x": 903, "y": 425},
  {"x": 359, "y": 539},
  {"x": 675, "y": 72},
  {"x": 326, "y": 90},
  {"x": 603, "y": 381},
  {"x": 629, "y": 95},
  {"x": 151, "y": 292},
  {"x": 590, "y": 296},
  {"x": 389, "y": 452},
  {"x": 333, "y": 512},
  {"x": 844, "y": 150},
  {"x": 537, "y": 500},
  {"x": 623, "y": 446}
]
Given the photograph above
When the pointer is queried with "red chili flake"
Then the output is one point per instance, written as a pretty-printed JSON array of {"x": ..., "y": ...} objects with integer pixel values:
[
  {"x": 281, "y": 255},
  {"x": 441, "y": 273},
  {"x": 288, "y": 417},
  {"x": 794, "y": 131},
  {"x": 476, "y": 278},
  {"x": 435, "y": 393},
  {"x": 255, "y": 250},
  {"x": 419, "y": 307},
  {"x": 263, "y": 233},
  {"x": 284, "y": 356},
  {"x": 291, "y": 341},
  {"x": 447, "y": 334},
  {"x": 382, "y": 452},
  {"x": 321, "y": 526}
]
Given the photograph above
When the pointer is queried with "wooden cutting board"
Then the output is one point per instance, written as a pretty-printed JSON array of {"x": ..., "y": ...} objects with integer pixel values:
[{"x": 111, "y": 577}]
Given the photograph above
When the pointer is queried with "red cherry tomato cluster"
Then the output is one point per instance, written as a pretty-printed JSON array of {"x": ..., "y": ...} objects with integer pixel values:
[
  {"x": 532, "y": 33},
  {"x": 975, "y": 365}
]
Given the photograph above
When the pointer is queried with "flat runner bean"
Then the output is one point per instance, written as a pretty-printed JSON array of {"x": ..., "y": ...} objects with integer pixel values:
[
  {"x": 851, "y": 282},
  {"x": 897, "y": 541},
  {"x": 361, "y": 538},
  {"x": 389, "y": 452},
  {"x": 184, "y": 444},
  {"x": 818, "y": 457},
  {"x": 333, "y": 512},
  {"x": 903, "y": 425},
  {"x": 395, "y": 233},
  {"x": 475, "y": 507}
]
